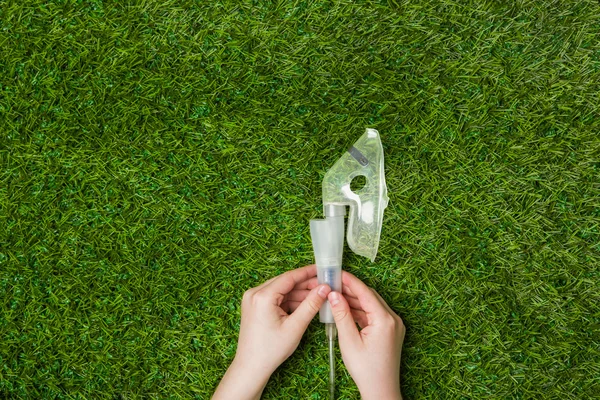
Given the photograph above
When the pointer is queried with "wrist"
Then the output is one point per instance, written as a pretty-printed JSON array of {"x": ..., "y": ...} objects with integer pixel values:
[
  {"x": 381, "y": 393},
  {"x": 242, "y": 381},
  {"x": 253, "y": 370}
]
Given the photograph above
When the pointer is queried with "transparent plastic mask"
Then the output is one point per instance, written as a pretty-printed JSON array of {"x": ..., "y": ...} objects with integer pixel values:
[{"x": 367, "y": 204}]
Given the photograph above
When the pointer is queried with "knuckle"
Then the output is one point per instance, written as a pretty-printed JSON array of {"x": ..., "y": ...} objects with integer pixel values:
[
  {"x": 247, "y": 295},
  {"x": 313, "y": 305},
  {"x": 340, "y": 314},
  {"x": 389, "y": 321},
  {"x": 261, "y": 296},
  {"x": 400, "y": 323}
]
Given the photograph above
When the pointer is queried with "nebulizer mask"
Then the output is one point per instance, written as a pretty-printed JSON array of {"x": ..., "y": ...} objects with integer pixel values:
[{"x": 364, "y": 158}]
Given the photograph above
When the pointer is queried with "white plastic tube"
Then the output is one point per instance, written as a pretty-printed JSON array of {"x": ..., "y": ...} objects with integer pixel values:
[{"x": 327, "y": 237}]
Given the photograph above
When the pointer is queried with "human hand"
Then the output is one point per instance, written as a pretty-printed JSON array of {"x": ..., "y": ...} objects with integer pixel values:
[
  {"x": 371, "y": 355},
  {"x": 274, "y": 318}
]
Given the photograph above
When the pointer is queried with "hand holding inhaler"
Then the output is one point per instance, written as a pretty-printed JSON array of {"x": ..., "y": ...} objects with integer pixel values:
[
  {"x": 276, "y": 314},
  {"x": 274, "y": 318}
]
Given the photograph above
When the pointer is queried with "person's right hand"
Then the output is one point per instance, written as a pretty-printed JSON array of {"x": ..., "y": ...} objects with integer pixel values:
[{"x": 371, "y": 355}]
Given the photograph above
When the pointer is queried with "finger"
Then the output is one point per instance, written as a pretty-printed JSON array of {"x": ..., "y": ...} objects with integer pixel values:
[
  {"x": 265, "y": 283},
  {"x": 284, "y": 283},
  {"x": 353, "y": 302},
  {"x": 296, "y": 295},
  {"x": 360, "y": 318},
  {"x": 255, "y": 289},
  {"x": 311, "y": 305},
  {"x": 344, "y": 321},
  {"x": 308, "y": 284},
  {"x": 347, "y": 291},
  {"x": 367, "y": 298},
  {"x": 359, "y": 315}
]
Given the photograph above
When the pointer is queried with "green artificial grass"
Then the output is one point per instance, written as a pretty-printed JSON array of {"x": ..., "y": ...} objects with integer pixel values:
[{"x": 159, "y": 158}]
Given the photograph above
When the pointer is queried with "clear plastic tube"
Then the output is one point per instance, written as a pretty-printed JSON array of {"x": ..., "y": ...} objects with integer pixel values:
[{"x": 331, "y": 332}]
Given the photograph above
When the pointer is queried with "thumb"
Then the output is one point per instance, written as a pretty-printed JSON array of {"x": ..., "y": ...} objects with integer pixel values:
[
  {"x": 309, "y": 307},
  {"x": 347, "y": 331}
]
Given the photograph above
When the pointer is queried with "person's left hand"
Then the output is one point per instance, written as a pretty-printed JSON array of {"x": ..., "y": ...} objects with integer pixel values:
[{"x": 274, "y": 318}]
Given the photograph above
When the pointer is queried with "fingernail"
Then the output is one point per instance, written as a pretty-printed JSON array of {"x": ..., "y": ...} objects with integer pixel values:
[
  {"x": 323, "y": 291},
  {"x": 334, "y": 298}
]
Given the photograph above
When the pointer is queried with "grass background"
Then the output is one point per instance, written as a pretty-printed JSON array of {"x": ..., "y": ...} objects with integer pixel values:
[{"x": 159, "y": 158}]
